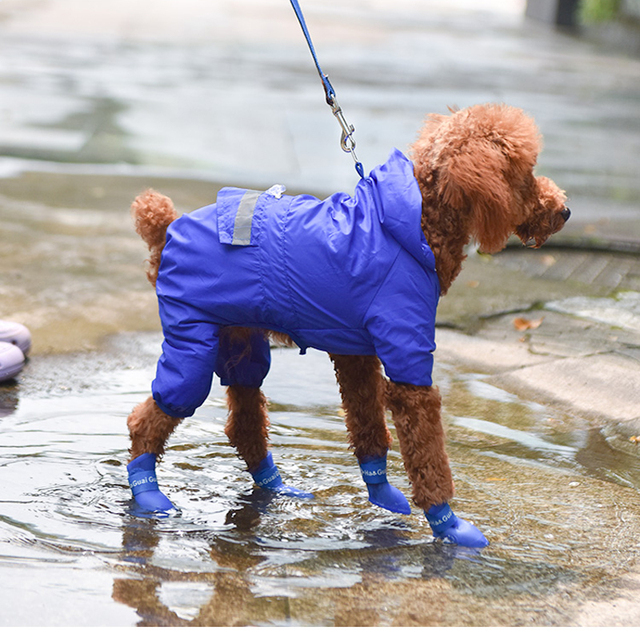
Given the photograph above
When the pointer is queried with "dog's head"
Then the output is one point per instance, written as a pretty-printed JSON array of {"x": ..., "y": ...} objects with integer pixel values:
[
  {"x": 480, "y": 162},
  {"x": 548, "y": 216}
]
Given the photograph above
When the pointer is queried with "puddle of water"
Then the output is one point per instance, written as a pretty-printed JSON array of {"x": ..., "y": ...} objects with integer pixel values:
[
  {"x": 521, "y": 438},
  {"x": 235, "y": 555},
  {"x": 65, "y": 496},
  {"x": 528, "y": 430}
]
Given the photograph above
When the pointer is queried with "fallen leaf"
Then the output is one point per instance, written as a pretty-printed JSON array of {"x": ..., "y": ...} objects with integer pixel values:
[
  {"x": 473, "y": 284},
  {"x": 521, "y": 324},
  {"x": 634, "y": 439}
]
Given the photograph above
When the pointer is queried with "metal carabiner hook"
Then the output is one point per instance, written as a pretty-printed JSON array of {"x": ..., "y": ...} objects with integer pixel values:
[
  {"x": 346, "y": 138},
  {"x": 347, "y": 143}
]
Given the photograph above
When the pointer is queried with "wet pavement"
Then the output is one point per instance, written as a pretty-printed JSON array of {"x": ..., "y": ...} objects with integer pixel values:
[{"x": 98, "y": 103}]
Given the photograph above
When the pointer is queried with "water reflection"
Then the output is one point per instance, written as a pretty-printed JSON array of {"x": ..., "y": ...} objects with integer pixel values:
[
  {"x": 525, "y": 430},
  {"x": 247, "y": 581}
]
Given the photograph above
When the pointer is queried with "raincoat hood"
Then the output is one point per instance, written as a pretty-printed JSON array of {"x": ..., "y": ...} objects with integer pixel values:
[{"x": 399, "y": 206}]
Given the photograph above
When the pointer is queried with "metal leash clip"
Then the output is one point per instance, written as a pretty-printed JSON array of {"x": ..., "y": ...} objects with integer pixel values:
[{"x": 347, "y": 142}]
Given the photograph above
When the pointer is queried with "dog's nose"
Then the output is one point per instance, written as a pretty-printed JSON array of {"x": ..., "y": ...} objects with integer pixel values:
[{"x": 566, "y": 213}]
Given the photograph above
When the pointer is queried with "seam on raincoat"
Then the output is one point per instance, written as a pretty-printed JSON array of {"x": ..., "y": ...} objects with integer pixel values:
[
  {"x": 434, "y": 289},
  {"x": 285, "y": 264}
]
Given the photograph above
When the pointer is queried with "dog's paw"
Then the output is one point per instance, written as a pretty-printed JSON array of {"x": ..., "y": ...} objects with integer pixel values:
[
  {"x": 144, "y": 485},
  {"x": 154, "y": 501},
  {"x": 381, "y": 492},
  {"x": 267, "y": 477},
  {"x": 463, "y": 533},
  {"x": 388, "y": 497},
  {"x": 451, "y": 529}
]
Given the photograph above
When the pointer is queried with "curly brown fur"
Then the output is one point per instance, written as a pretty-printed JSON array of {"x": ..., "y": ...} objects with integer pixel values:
[
  {"x": 362, "y": 388},
  {"x": 416, "y": 414},
  {"x": 152, "y": 214},
  {"x": 475, "y": 172},
  {"x": 149, "y": 429}
]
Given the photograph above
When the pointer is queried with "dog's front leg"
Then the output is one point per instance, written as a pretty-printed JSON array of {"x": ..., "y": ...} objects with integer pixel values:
[
  {"x": 416, "y": 415},
  {"x": 362, "y": 388},
  {"x": 416, "y": 412},
  {"x": 149, "y": 429}
]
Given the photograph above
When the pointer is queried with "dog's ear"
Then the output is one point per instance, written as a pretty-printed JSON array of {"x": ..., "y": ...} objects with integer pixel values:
[
  {"x": 487, "y": 169},
  {"x": 475, "y": 180}
]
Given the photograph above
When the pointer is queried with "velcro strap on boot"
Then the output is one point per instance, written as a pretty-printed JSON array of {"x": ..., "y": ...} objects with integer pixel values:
[
  {"x": 374, "y": 470},
  {"x": 143, "y": 481},
  {"x": 268, "y": 476},
  {"x": 440, "y": 517}
]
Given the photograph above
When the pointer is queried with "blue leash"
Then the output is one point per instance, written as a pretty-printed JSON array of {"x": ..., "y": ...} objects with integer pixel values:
[{"x": 347, "y": 143}]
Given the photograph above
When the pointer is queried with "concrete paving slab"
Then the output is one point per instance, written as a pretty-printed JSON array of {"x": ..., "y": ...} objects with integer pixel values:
[
  {"x": 601, "y": 386},
  {"x": 484, "y": 355}
]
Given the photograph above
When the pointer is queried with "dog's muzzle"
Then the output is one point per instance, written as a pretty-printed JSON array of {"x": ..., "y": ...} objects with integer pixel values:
[{"x": 566, "y": 213}]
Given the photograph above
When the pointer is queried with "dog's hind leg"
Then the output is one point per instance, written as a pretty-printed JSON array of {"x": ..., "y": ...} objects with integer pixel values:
[
  {"x": 416, "y": 413},
  {"x": 149, "y": 429},
  {"x": 248, "y": 431},
  {"x": 362, "y": 387},
  {"x": 248, "y": 423}
]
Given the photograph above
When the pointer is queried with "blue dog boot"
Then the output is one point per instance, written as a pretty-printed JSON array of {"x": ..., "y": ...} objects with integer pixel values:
[
  {"x": 267, "y": 477},
  {"x": 381, "y": 493},
  {"x": 451, "y": 529},
  {"x": 144, "y": 484}
]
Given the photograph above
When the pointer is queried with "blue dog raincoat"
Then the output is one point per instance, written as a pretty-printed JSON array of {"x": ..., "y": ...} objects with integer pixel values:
[{"x": 346, "y": 275}]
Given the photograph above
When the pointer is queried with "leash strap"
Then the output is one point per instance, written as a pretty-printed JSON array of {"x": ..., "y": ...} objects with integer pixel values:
[
  {"x": 328, "y": 89},
  {"x": 347, "y": 143}
]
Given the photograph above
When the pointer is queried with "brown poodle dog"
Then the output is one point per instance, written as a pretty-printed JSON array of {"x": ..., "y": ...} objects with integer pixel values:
[{"x": 469, "y": 177}]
